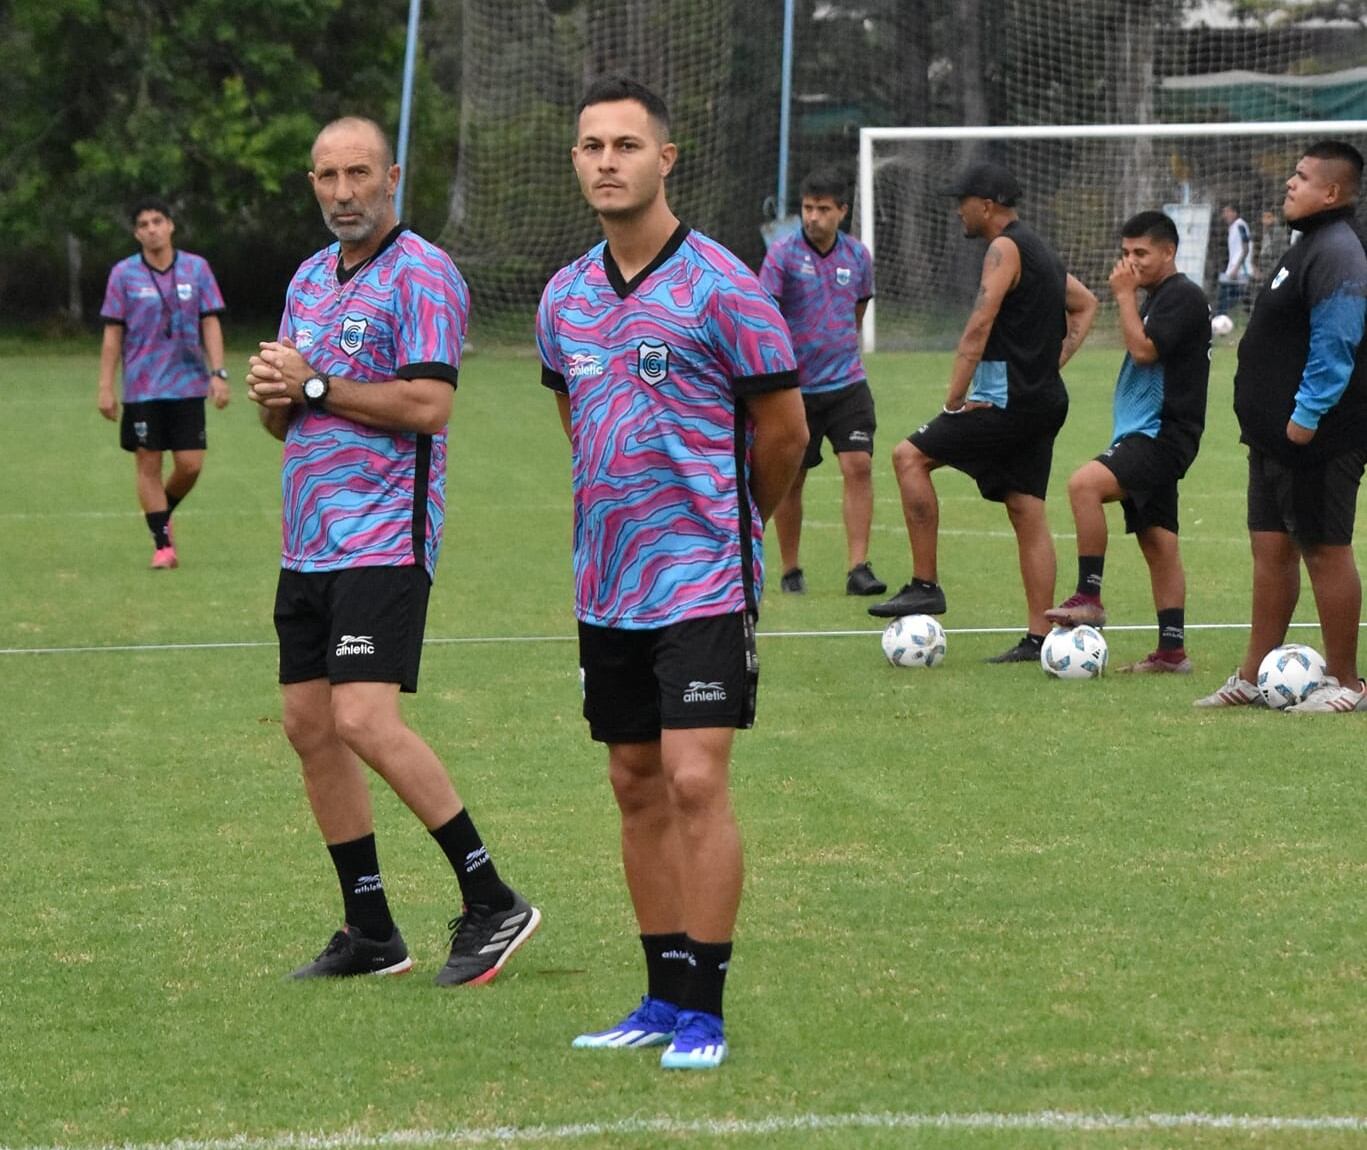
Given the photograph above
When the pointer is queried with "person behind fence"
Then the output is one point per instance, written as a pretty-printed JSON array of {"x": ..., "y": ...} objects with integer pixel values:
[
  {"x": 822, "y": 278},
  {"x": 359, "y": 385},
  {"x": 1300, "y": 394},
  {"x": 1233, "y": 281},
  {"x": 676, "y": 384},
  {"x": 1159, "y": 414},
  {"x": 1004, "y": 405},
  {"x": 161, "y": 327}
]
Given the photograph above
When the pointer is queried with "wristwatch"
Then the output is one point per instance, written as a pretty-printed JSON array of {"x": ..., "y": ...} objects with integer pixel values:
[
  {"x": 219, "y": 373},
  {"x": 316, "y": 389}
]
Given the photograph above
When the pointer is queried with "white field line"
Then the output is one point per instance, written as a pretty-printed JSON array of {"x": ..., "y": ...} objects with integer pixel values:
[
  {"x": 736, "y": 1128},
  {"x": 1012, "y": 629}
]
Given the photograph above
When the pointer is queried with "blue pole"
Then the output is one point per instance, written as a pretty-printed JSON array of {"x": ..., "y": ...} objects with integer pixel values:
[
  {"x": 406, "y": 107},
  {"x": 785, "y": 104}
]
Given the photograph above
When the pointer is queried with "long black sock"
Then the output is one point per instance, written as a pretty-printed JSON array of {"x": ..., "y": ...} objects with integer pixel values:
[
  {"x": 173, "y": 501},
  {"x": 707, "y": 976},
  {"x": 156, "y": 524},
  {"x": 666, "y": 965},
  {"x": 479, "y": 881},
  {"x": 358, "y": 870},
  {"x": 1089, "y": 568},
  {"x": 1172, "y": 629}
]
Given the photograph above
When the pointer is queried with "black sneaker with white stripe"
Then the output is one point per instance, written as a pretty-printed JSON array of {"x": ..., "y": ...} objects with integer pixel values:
[
  {"x": 483, "y": 940},
  {"x": 348, "y": 954}
]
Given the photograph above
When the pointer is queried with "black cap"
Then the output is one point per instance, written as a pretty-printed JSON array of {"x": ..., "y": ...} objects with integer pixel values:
[{"x": 986, "y": 179}]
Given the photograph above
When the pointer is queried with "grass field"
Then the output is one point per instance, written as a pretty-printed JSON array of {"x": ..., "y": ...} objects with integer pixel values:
[{"x": 983, "y": 909}]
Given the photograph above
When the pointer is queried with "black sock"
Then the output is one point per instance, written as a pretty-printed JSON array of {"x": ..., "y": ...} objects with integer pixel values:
[
  {"x": 479, "y": 881},
  {"x": 1089, "y": 569},
  {"x": 1032, "y": 640},
  {"x": 927, "y": 583},
  {"x": 173, "y": 501},
  {"x": 1172, "y": 629},
  {"x": 666, "y": 965},
  {"x": 358, "y": 870},
  {"x": 156, "y": 524},
  {"x": 706, "y": 976}
]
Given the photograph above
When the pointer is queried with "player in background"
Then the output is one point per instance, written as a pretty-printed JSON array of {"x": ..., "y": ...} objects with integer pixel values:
[
  {"x": 359, "y": 385},
  {"x": 1004, "y": 405},
  {"x": 161, "y": 327},
  {"x": 1234, "y": 280},
  {"x": 1159, "y": 414},
  {"x": 1300, "y": 394},
  {"x": 823, "y": 281},
  {"x": 677, "y": 386}
]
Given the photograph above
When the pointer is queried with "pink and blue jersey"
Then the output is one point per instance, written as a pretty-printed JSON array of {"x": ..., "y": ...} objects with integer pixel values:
[
  {"x": 160, "y": 313},
  {"x": 355, "y": 496},
  {"x": 657, "y": 370},
  {"x": 818, "y": 294}
]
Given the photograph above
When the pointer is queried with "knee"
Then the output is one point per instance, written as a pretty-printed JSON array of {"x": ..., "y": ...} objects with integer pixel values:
[
  {"x": 307, "y": 729},
  {"x": 190, "y": 467},
  {"x": 857, "y": 466},
  {"x": 695, "y": 791},
  {"x": 357, "y": 723}
]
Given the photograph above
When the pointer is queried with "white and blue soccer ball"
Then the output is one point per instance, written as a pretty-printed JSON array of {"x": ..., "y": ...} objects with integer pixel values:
[
  {"x": 1288, "y": 673},
  {"x": 1074, "y": 653},
  {"x": 914, "y": 641}
]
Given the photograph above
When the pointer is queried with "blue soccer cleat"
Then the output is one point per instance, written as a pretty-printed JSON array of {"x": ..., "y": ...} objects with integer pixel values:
[
  {"x": 699, "y": 1043},
  {"x": 650, "y": 1024}
]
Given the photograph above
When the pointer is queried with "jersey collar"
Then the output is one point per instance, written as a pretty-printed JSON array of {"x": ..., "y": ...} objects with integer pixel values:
[
  {"x": 614, "y": 273},
  {"x": 344, "y": 274}
]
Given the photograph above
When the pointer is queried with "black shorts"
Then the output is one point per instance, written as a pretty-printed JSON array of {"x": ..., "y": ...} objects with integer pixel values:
[
  {"x": 845, "y": 417},
  {"x": 1004, "y": 451},
  {"x": 361, "y": 625},
  {"x": 1148, "y": 472},
  {"x": 698, "y": 673},
  {"x": 1314, "y": 505},
  {"x": 163, "y": 425}
]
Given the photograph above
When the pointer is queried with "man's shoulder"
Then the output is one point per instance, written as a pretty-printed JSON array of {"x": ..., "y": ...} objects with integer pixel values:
[
  {"x": 853, "y": 245},
  {"x": 126, "y": 266},
  {"x": 717, "y": 265},
  {"x": 411, "y": 247},
  {"x": 1180, "y": 291},
  {"x": 576, "y": 268}
]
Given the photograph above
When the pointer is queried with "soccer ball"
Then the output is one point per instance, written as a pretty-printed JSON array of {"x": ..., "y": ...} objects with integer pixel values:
[
  {"x": 914, "y": 641},
  {"x": 1074, "y": 653},
  {"x": 1221, "y": 325},
  {"x": 1288, "y": 673}
]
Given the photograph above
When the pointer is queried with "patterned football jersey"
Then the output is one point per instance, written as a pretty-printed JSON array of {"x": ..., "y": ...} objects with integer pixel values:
[
  {"x": 160, "y": 314},
  {"x": 665, "y": 527},
  {"x": 818, "y": 295},
  {"x": 355, "y": 496}
]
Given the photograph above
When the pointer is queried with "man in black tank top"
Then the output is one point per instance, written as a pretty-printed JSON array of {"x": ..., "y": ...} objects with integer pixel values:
[{"x": 1004, "y": 405}]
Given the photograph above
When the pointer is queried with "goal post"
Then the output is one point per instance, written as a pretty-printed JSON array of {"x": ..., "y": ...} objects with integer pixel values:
[{"x": 1080, "y": 182}]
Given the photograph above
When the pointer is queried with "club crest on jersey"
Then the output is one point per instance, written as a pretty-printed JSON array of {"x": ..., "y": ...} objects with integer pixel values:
[
  {"x": 842, "y": 276},
  {"x": 353, "y": 334},
  {"x": 1280, "y": 278},
  {"x": 185, "y": 291},
  {"x": 652, "y": 361}
]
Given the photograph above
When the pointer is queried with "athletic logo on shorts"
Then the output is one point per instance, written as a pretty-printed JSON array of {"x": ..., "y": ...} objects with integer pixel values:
[
  {"x": 700, "y": 692},
  {"x": 356, "y": 645},
  {"x": 652, "y": 362},
  {"x": 353, "y": 334},
  {"x": 842, "y": 276},
  {"x": 185, "y": 291}
]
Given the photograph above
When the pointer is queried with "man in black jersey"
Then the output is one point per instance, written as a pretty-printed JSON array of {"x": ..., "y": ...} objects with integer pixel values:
[
  {"x": 1159, "y": 414},
  {"x": 1004, "y": 405}
]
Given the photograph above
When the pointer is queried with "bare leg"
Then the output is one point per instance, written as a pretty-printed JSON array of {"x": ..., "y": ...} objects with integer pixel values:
[
  {"x": 333, "y": 776},
  {"x": 185, "y": 469},
  {"x": 920, "y": 507},
  {"x": 1276, "y": 588},
  {"x": 151, "y": 494},
  {"x": 1162, "y": 554},
  {"x": 788, "y": 523},
  {"x": 651, "y": 850},
  {"x": 1090, "y": 487},
  {"x": 856, "y": 468},
  {"x": 1338, "y": 600},
  {"x": 1035, "y": 546}
]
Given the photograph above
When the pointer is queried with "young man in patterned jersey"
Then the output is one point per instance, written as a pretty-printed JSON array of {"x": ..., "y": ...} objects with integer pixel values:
[
  {"x": 359, "y": 386},
  {"x": 822, "y": 279},
  {"x": 677, "y": 386},
  {"x": 1160, "y": 412},
  {"x": 161, "y": 325}
]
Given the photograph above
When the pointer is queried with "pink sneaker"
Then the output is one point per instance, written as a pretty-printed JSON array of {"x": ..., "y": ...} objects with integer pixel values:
[
  {"x": 1159, "y": 663},
  {"x": 1076, "y": 610},
  {"x": 164, "y": 558}
]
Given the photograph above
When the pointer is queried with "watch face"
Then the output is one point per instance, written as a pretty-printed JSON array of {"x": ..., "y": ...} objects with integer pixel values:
[{"x": 314, "y": 388}]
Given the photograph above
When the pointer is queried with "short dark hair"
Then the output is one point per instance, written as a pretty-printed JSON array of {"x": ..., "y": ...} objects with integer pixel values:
[
  {"x": 1150, "y": 225},
  {"x": 610, "y": 89},
  {"x": 825, "y": 182},
  {"x": 1344, "y": 153},
  {"x": 149, "y": 204}
]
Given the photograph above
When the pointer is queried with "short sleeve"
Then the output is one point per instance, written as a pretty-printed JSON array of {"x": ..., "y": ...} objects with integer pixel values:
[
  {"x": 865, "y": 288},
  {"x": 433, "y": 309},
  {"x": 210, "y": 297},
  {"x": 771, "y": 271},
  {"x": 1176, "y": 316},
  {"x": 552, "y": 368},
  {"x": 751, "y": 338},
  {"x": 112, "y": 310}
]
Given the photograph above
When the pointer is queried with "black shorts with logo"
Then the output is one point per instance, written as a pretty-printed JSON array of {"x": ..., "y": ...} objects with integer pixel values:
[
  {"x": 844, "y": 416},
  {"x": 1004, "y": 451},
  {"x": 1147, "y": 470},
  {"x": 698, "y": 673},
  {"x": 361, "y": 625},
  {"x": 163, "y": 425},
  {"x": 1315, "y": 505}
]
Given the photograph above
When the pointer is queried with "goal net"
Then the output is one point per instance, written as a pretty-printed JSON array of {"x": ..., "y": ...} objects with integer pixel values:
[{"x": 1080, "y": 183}]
